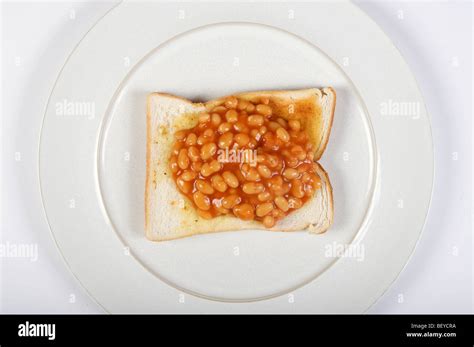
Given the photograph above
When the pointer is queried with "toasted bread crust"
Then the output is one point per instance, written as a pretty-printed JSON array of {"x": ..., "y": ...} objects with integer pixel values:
[
  {"x": 330, "y": 115},
  {"x": 148, "y": 155},
  {"x": 325, "y": 178}
]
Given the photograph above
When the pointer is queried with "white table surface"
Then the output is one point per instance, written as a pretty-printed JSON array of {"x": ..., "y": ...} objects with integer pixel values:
[{"x": 436, "y": 39}]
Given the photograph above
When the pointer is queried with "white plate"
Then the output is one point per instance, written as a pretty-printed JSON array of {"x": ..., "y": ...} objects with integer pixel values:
[{"x": 92, "y": 158}]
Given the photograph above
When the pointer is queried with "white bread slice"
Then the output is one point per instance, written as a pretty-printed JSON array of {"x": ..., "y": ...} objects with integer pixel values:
[{"x": 170, "y": 215}]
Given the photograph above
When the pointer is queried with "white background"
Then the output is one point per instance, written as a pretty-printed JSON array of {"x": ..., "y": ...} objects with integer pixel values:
[{"x": 434, "y": 37}]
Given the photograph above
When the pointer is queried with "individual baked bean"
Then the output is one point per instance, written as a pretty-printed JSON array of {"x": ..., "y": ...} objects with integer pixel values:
[
  {"x": 188, "y": 175},
  {"x": 201, "y": 140},
  {"x": 252, "y": 143},
  {"x": 263, "y": 130},
  {"x": 176, "y": 148},
  {"x": 308, "y": 190},
  {"x": 221, "y": 110},
  {"x": 316, "y": 180},
  {"x": 193, "y": 154},
  {"x": 208, "y": 150},
  {"x": 290, "y": 173},
  {"x": 282, "y": 122},
  {"x": 299, "y": 152},
  {"x": 255, "y": 120},
  {"x": 215, "y": 166},
  {"x": 239, "y": 176},
  {"x": 204, "y": 187},
  {"x": 224, "y": 127},
  {"x": 296, "y": 149},
  {"x": 184, "y": 186},
  {"x": 225, "y": 140},
  {"x": 231, "y": 116},
  {"x": 276, "y": 181},
  {"x": 265, "y": 100},
  {"x": 272, "y": 161},
  {"x": 241, "y": 127},
  {"x": 279, "y": 190},
  {"x": 294, "y": 203},
  {"x": 301, "y": 155},
  {"x": 268, "y": 141},
  {"x": 202, "y": 201},
  {"x": 281, "y": 203},
  {"x": 204, "y": 118},
  {"x": 273, "y": 126},
  {"x": 206, "y": 170},
  {"x": 279, "y": 166},
  {"x": 305, "y": 167},
  {"x": 268, "y": 221},
  {"x": 292, "y": 162},
  {"x": 263, "y": 209},
  {"x": 191, "y": 139},
  {"x": 230, "y": 201},
  {"x": 293, "y": 134},
  {"x": 264, "y": 109},
  {"x": 264, "y": 171},
  {"x": 180, "y": 135},
  {"x": 218, "y": 183},
  {"x": 196, "y": 166},
  {"x": 220, "y": 209},
  {"x": 230, "y": 179},
  {"x": 241, "y": 139},
  {"x": 244, "y": 211},
  {"x": 231, "y": 102},
  {"x": 242, "y": 105},
  {"x": 252, "y": 175},
  {"x": 306, "y": 177},
  {"x": 294, "y": 124},
  {"x": 215, "y": 119},
  {"x": 264, "y": 196},
  {"x": 302, "y": 137},
  {"x": 204, "y": 214},
  {"x": 252, "y": 188},
  {"x": 282, "y": 134},
  {"x": 208, "y": 133},
  {"x": 250, "y": 108},
  {"x": 297, "y": 189},
  {"x": 183, "y": 159},
  {"x": 174, "y": 164},
  {"x": 255, "y": 134},
  {"x": 277, "y": 213}
]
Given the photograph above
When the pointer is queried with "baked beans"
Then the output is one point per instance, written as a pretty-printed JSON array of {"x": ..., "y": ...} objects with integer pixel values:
[{"x": 281, "y": 178}]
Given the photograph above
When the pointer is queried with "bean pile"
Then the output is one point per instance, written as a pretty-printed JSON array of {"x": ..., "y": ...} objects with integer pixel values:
[{"x": 280, "y": 178}]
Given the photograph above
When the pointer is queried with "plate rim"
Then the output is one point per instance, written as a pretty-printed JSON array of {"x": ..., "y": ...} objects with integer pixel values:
[{"x": 425, "y": 217}]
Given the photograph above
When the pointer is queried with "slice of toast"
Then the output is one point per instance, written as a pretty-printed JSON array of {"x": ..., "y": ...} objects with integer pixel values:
[{"x": 170, "y": 215}]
